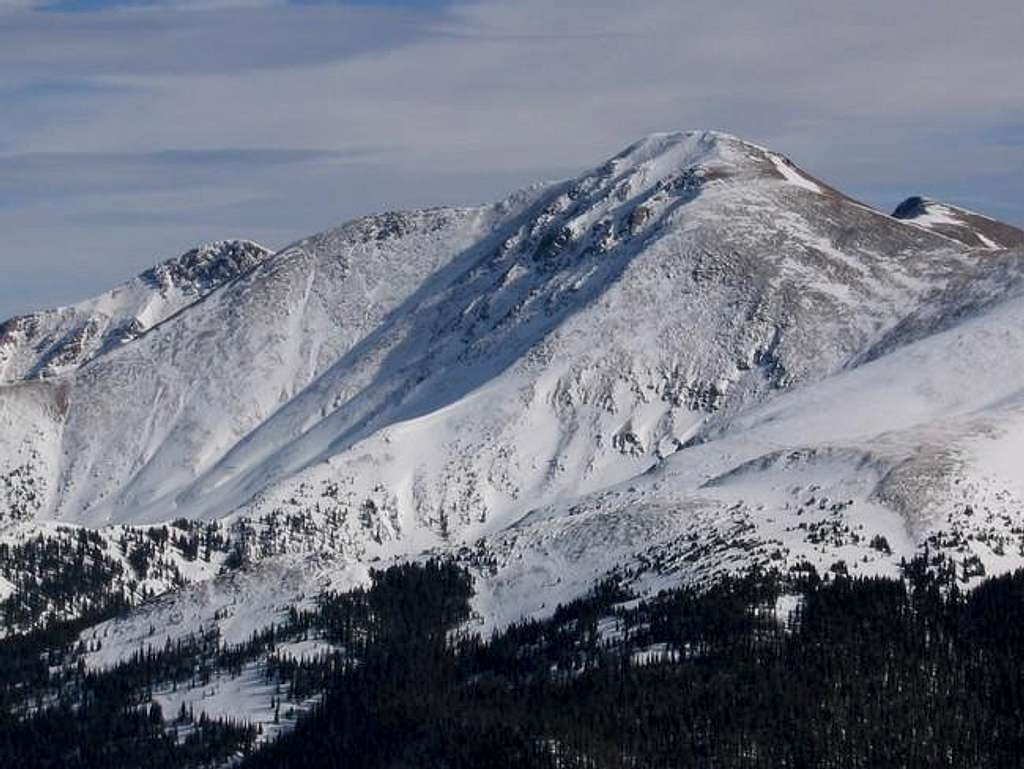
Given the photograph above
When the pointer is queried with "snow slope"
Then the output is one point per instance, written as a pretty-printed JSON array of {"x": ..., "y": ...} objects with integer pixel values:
[{"x": 919, "y": 446}]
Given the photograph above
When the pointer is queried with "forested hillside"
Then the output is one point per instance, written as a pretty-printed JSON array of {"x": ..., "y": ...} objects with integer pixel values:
[{"x": 760, "y": 670}]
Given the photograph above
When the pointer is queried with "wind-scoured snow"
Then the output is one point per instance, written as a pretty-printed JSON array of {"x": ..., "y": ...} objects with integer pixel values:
[{"x": 791, "y": 175}]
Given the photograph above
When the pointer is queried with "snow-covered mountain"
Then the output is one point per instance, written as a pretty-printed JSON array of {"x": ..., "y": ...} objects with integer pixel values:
[{"x": 694, "y": 356}]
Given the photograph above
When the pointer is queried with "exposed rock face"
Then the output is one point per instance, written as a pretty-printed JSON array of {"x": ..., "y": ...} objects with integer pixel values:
[
  {"x": 209, "y": 267},
  {"x": 971, "y": 229}
]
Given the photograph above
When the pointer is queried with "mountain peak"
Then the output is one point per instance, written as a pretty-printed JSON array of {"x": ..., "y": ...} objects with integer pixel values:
[
  {"x": 972, "y": 229},
  {"x": 716, "y": 154},
  {"x": 208, "y": 266},
  {"x": 688, "y": 148}
]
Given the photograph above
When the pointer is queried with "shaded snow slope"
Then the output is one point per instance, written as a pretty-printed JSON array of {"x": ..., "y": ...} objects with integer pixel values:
[{"x": 31, "y": 419}]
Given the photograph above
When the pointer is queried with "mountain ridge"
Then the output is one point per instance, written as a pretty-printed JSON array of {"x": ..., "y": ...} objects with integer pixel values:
[{"x": 64, "y": 338}]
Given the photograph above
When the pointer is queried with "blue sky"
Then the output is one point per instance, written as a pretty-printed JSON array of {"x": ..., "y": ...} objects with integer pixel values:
[{"x": 134, "y": 130}]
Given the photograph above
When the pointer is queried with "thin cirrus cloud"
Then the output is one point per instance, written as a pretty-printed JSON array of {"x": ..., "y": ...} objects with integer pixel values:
[{"x": 133, "y": 130}]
